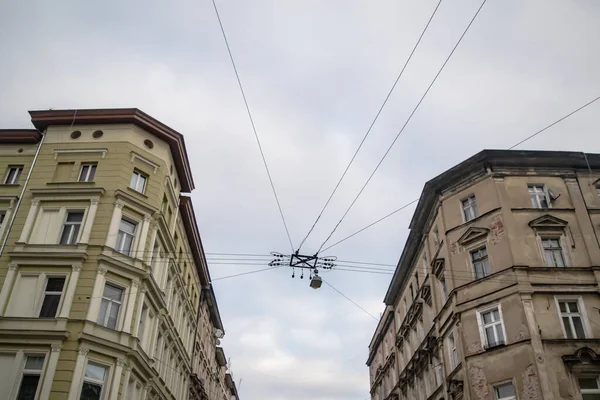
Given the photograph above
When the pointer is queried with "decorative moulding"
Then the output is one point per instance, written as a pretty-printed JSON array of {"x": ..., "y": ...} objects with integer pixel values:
[
  {"x": 548, "y": 222},
  {"x": 472, "y": 234},
  {"x": 75, "y": 151},
  {"x": 140, "y": 157}
]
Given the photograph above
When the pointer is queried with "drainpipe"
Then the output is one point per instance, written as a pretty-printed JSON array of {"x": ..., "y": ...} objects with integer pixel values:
[{"x": 14, "y": 214}]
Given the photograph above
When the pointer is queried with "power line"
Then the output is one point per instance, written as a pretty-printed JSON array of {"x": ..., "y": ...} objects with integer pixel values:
[
  {"x": 510, "y": 148},
  {"x": 555, "y": 122},
  {"x": 245, "y": 273},
  {"x": 372, "y": 124},
  {"x": 237, "y": 75},
  {"x": 367, "y": 263},
  {"x": 350, "y": 300},
  {"x": 405, "y": 124}
]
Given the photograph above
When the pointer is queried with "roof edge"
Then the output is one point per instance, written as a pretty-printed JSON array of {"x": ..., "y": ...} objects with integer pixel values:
[
  {"x": 41, "y": 119},
  {"x": 20, "y": 136}
]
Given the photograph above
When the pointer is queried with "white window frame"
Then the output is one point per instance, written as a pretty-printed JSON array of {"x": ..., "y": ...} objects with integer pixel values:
[
  {"x": 425, "y": 265},
  {"x": 469, "y": 205},
  {"x": 452, "y": 350},
  {"x": 23, "y": 371},
  {"x": 123, "y": 304},
  {"x": 39, "y": 295},
  {"x": 2, "y": 217},
  {"x": 537, "y": 192},
  {"x": 44, "y": 293},
  {"x": 589, "y": 391},
  {"x": 560, "y": 247},
  {"x": 72, "y": 241},
  {"x": 135, "y": 180},
  {"x": 120, "y": 239},
  {"x": 497, "y": 385},
  {"x": 582, "y": 314},
  {"x": 482, "y": 326},
  {"x": 91, "y": 166},
  {"x": 107, "y": 377},
  {"x": 487, "y": 257},
  {"x": 13, "y": 179}
]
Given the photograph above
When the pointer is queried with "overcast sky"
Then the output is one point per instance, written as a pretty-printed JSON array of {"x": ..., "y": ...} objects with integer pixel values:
[{"x": 315, "y": 73}]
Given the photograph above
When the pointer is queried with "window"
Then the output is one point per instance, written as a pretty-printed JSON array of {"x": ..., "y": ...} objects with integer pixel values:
[
  {"x": 481, "y": 264},
  {"x": 424, "y": 263},
  {"x": 590, "y": 388},
  {"x": 539, "y": 196},
  {"x": 572, "y": 319},
  {"x": 138, "y": 181},
  {"x": 505, "y": 391},
  {"x": 52, "y": 294},
  {"x": 31, "y": 377},
  {"x": 110, "y": 306},
  {"x": 443, "y": 288},
  {"x": 412, "y": 293},
  {"x": 93, "y": 382},
  {"x": 71, "y": 227},
  {"x": 125, "y": 237},
  {"x": 87, "y": 173},
  {"x": 13, "y": 174},
  {"x": 469, "y": 207},
  {"x": 2, "y": 216},
  {"x": 452, "y": 351},
  {"x": 553, "y": 252},
  {"x": 436, "y": 237},
  {"x": 491, "y": 327}
]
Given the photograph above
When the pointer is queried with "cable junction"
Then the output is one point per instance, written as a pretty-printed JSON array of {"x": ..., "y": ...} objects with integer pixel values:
[{"x": 301, "y": 261}]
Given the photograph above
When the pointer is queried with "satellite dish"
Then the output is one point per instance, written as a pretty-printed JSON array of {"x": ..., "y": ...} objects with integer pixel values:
[{"x": 218, "y": 333}]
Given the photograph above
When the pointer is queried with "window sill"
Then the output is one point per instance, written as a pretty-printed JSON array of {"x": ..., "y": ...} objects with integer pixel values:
[
  {"x": 132, "y": 190},
  {"x": 90, "y": 183},
  {"x": 10, "y": 184}
]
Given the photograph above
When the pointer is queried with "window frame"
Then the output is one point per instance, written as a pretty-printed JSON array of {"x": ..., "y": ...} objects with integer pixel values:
[
  {"x": 15, "y": 178},
  {"x": 45, "y": 292},
  {"x": 122, "y": 304},
  {"x": 560, "y": 248},
  {"x": 496, "y": 385},
  {"x": 92, "y": 166},
  {"x": 452, "y": 350},
  {"x": 134, "y": 184},
  {"x": 487, "y": 258},
  {"x": 134, "y": 235},
  {"x": 22, "y": 371},
  {"x": 582, "y": 314},
  {"x": 470, "y": 205},
  {"x": 68, "y": 211},
  {"x": 482, "y": 326},
  {"x": 3, "y": 213},
  {"x": 542, "y": 189},
  {"x": 107, "y": 377},
  {"x": 588, "y": 391}
]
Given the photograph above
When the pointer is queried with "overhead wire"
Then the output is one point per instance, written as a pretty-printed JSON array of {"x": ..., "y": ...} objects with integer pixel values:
[
  {"x": 262, "y": 154},
  {"x": 510, "y": 148},
  {"x": 405, "y": 124},
  {"x": 350, "y": 300},
  {"x": 372, "y": 124}
]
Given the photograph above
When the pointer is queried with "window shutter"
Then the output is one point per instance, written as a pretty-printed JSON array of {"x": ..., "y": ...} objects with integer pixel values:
[
  {"x": 63, "y": 172},
  {"x": 7, "y": 371},
  {"x": 47, "y": 227},
  {"x": 23, "y": 297}
]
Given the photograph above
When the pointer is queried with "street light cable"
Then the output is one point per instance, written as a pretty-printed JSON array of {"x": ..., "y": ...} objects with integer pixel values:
[
  {"x": 262, "y": 154},
  {"x": 372, "y": 123},
  {"x": 350, "y": 300},
  {"x": 405, "y": 124}
]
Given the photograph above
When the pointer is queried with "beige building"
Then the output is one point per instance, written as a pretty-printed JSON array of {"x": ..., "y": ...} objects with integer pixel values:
[
  {"x": 105, "y": 291},
  {"x": 496, "y": 294}
]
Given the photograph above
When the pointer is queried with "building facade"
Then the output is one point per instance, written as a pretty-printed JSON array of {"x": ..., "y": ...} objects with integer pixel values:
[
  {"x": 105, "y": 290},
  {"x": 496, "y": 293}
]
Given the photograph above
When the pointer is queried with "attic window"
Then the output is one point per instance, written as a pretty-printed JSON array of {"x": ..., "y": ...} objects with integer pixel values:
[
  {"x": 75, "y": 134},
  {"x": 148, "y": 143},
  {"x": 97, "y": 134}
]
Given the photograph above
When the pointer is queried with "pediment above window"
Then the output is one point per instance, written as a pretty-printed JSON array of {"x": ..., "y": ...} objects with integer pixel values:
[
  {"x": 548, "y": 222},
  {"x": 583, "y": 359},
  {"x": 473, "y": 234}
]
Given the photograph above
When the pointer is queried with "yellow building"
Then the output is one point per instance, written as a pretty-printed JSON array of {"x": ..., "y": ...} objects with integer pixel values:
[
  {"x": 105, "y": 287},
  {"x": 496, "y": 293}
]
